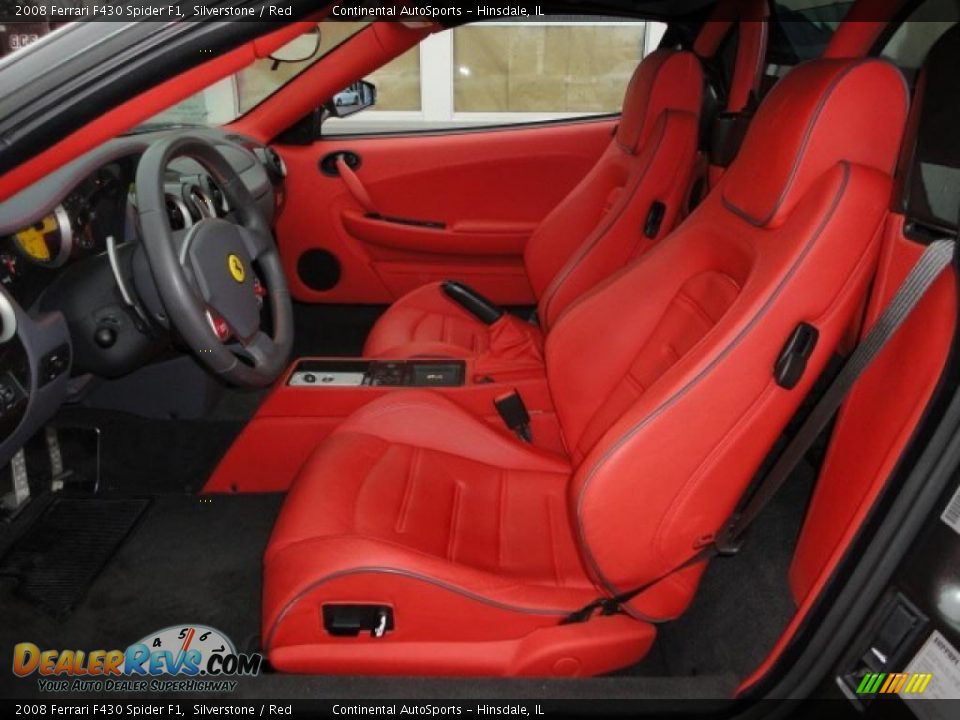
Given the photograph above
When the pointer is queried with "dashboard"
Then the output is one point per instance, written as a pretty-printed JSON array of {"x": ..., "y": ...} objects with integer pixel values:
[
  {"x": 54, "y": 239},
  {"x": 76, "y": 227}
]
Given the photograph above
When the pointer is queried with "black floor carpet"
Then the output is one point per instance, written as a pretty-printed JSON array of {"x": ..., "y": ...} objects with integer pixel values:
[
  {"x": 188, "y": 560},
  {"x": 332, "y": 330},
  {"x": 744, "y": 602},
  {"x": 63, "y": 550},
  {"x": 149, "y": 456}
]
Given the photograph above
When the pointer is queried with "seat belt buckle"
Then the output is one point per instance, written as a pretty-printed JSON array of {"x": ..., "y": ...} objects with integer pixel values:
[
  {"x": 728, "y": 542},
  {"x": 514, "y": 414}
]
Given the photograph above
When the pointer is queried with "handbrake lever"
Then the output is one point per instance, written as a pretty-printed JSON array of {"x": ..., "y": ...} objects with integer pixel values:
[{"x": 473, "y": 302}]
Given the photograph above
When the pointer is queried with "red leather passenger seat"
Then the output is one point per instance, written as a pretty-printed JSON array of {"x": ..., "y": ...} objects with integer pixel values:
[
  {"x": 663, "y": 382},
  {"x": 602, "y": 224},
  {"x": 592, "y": 232}
]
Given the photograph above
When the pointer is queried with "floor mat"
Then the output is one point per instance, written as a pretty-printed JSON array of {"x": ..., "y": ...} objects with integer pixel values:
[
  {"x": 744, "y": 602},
  {"x": 190, "y": 559},
  {"x": 64, "y": 549},
  {"x": 145, "y": 456}
]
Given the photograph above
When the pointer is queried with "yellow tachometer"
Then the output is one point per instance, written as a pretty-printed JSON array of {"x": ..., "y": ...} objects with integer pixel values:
[{"x": 48, "y": 241}]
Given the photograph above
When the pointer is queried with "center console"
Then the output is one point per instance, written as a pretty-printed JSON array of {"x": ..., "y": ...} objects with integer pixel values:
[
  {"x": 317, "y": 394},
  {"x": 321, "y": 373}
]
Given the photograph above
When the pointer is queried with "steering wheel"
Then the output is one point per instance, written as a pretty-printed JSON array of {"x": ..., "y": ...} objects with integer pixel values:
[{"x": 205, "y": 274}]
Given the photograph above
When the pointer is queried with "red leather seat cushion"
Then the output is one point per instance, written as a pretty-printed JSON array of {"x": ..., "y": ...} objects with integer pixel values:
[
  {"x": 459, "y": 527},
  {"x": 426, "y": 322}
]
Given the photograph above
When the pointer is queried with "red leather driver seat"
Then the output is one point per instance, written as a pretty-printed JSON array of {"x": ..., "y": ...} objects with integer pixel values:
[{"x": 480, "y": 544}]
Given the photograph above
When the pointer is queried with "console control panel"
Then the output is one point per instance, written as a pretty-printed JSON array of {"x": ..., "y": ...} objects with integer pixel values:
[{"x": 387, "y": 373}]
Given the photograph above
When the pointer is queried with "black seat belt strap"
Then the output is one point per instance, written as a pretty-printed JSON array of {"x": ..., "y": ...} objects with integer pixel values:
[{"x": 934, "y": 260}]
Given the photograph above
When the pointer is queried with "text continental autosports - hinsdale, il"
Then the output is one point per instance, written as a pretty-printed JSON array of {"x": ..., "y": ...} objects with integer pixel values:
[
  {"x": 481, "y": 710},
  {"x": 401, "y": 11}
]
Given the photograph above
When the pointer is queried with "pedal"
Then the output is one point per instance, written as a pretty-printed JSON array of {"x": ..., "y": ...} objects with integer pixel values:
[
  {"x": 57, "y": 473},
  {"x": 15, "y": 500}
]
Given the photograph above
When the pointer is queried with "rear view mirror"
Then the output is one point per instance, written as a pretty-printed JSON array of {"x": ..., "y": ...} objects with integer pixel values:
[
  {"x": 300, "y": 49},
  {"x": 358, "y": 96}
]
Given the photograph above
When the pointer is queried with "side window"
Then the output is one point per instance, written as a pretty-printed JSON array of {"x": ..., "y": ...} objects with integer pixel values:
[
  {"x": 801, "y": 29},
  {"x": 228, "y": 99},
  {"x": 496, "y": 73},
  {"x": 262, "y": 78},
  {"x": 910, "y": 43}
]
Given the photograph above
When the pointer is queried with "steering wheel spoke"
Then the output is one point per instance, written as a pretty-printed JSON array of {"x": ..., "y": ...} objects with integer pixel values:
[
  {"x": 261, "y": 349},
  {"x": 177, "y": 239},
  {"x": 256, "y": 242}
]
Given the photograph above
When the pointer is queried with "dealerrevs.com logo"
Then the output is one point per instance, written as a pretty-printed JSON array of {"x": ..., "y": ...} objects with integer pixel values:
[{"x": 200, "y": 658}]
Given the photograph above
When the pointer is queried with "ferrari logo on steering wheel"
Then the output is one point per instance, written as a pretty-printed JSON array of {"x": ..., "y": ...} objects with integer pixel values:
[{"x": 235, "y": 266}]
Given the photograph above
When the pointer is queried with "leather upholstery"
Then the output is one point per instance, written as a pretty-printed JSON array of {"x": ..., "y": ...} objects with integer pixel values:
[
  {"x": 598, "y": 227},
  {"x": 662, "y": 380},
  {"x": 460, "y": 520},
  {"x": 593, "y": 231},
  {"x": 771, "y": 178}
]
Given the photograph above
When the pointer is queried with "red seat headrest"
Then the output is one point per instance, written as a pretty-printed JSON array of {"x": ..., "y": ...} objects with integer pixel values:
[
  {"x": 665, "y": 80},
  {"x": 823, "y": 113}
]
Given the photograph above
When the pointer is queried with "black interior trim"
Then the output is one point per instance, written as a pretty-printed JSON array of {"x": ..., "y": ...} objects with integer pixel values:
[
  {"x": 470, "y": 130},
  {"x": 141, "y": 56}
]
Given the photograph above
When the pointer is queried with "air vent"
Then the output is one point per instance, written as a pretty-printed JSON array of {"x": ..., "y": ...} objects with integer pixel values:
[
  {"x": 202, "y": 205},
  {"x": 177, "y": 213},
  {"x": 276, "y": 162},
  {"x": 217, "y": 199},
  {"x": 272, "y": 161}
]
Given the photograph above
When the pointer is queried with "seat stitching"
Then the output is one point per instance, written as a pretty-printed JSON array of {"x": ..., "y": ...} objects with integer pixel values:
[
  {"x": 410, "y": 575},
  {"x": 639, "y": 388},
  {"x": 501, "y": 512},
  {"x": 694, "y": 306},
  {"x": 808, "y": 133},
  {"x": 669, "y": 402},
  {"x": 387, "y": 408},
  {"x": 366, "y": 477},
  {"x": 551, "y": 534},
  {"x": 455, "y": 521},
  {"x": 412, "y": 466},
  {"x": 695, "y": 477},
  {"x": 688, "y": 487},
  {"x": 605, "y": 223},
  {"x": 673, "y": 351},
  {"x": 418, "y": 323},
  {"x": 635, "y": 381}
]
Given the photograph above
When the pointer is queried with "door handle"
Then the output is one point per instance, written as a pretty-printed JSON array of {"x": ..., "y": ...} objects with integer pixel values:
[
  {"x": 328, "y": 163},
  {"x": 355, "y": 186}
]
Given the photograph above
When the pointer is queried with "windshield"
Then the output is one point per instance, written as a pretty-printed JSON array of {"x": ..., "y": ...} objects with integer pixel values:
[{"x": 228, "y": 99}]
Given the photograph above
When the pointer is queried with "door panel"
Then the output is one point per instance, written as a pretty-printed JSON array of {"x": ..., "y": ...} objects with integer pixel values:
[{"x": 457, "y": 205}]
